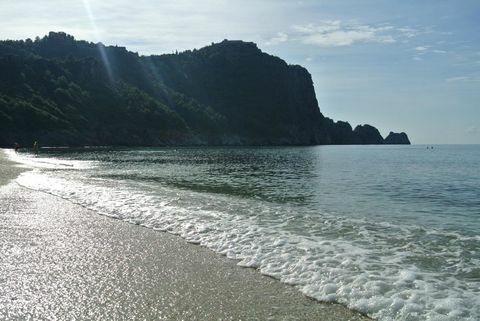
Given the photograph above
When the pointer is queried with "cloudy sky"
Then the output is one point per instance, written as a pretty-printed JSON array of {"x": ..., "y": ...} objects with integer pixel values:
[{"x": 405, "y": 65}]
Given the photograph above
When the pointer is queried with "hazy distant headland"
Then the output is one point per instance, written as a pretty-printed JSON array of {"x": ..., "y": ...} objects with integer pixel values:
[{"x": 64, "y": 92}]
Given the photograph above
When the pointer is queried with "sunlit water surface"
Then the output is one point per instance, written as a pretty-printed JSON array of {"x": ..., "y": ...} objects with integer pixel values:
[{"x": 393, "y": 231}]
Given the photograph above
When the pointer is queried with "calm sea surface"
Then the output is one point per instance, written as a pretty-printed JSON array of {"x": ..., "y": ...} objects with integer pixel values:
[{"x": 393, "y": 231}]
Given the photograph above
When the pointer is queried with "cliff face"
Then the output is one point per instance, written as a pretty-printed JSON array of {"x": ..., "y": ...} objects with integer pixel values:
[
  {"x": 264, "y": 100},
  {"x": 366, "y": 134},
  {"x": 66, "y": 92},
  {"x": 397, "y": 139}
]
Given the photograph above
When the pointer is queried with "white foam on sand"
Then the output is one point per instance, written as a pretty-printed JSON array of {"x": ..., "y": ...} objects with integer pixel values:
[
  {"x": 35, "y": 161},
  {"x": 389, "y": 272}
]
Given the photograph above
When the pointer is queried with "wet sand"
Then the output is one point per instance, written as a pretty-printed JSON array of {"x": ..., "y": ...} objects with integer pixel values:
[
  {"x": 60, "y": 261},
  {"x": 8, "y": 169}
]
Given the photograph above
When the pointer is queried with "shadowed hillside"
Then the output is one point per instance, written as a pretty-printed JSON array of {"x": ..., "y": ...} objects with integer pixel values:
[{"x": 61, "y": 91}]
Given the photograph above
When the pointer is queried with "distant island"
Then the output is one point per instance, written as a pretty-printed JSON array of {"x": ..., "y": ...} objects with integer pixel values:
[{"x": 64, "y": 92}]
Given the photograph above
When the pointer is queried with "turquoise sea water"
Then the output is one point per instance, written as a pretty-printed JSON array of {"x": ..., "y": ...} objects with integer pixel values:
[{"x": 392, "y": 231}]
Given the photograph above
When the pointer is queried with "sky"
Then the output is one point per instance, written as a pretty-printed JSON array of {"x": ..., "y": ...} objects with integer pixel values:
[{"x": 410, "y": 65}]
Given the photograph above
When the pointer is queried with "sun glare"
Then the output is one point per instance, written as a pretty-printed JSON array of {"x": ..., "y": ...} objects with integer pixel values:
[{"x": 101, "y": 47}]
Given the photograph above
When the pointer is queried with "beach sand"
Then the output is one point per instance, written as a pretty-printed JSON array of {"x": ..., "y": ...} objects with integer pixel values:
[{"x": 60, "y": 261}]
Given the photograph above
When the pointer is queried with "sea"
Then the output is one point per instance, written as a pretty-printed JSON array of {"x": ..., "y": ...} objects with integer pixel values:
[{"x": 391, "y": 231}]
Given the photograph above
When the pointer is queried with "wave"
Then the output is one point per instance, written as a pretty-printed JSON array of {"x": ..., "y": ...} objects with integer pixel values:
[{"x": 390, "y": 272}]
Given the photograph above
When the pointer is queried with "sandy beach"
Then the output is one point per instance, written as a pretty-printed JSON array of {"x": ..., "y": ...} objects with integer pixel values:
[{"x": 60, "y": 261}]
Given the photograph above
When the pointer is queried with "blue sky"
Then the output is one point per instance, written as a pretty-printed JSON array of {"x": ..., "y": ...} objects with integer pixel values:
[{"x": 407, "y": 65}]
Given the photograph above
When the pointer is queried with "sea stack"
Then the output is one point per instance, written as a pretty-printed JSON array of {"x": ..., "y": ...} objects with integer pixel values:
[{"x": 397, "y": 139}]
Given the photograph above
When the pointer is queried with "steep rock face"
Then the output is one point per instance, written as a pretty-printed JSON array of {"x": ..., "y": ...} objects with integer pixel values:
[
  {"x": 339, "y": 132},
  {"x": 264, "y": 100},
  {"x": 397, "y": 139},
  {"x": 61, "y": 91},
  {"x": 366, "y": 134}
]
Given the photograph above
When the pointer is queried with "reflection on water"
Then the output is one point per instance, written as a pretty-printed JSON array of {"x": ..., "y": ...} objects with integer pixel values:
[
  {"x": 395, "y": 182},
  {"x": 388, "y": 230}
]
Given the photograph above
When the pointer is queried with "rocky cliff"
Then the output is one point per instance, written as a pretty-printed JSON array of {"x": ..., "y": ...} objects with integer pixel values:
[
  {"x": 66, "y": 92},
  {"x": 397, "y": 139}
]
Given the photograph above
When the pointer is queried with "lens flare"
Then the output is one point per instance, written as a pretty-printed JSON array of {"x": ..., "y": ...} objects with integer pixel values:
[{"x": 101, "y": 47}]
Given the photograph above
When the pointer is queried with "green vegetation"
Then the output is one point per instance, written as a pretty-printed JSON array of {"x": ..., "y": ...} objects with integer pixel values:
[{"x": 64, "y": 92}]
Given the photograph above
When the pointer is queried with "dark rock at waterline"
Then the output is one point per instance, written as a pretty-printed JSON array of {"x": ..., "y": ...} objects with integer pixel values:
[
  {"x": 397, "y": 139},
  {"x": 367, "y": 134},
  {"x": 64, "y": 92}
]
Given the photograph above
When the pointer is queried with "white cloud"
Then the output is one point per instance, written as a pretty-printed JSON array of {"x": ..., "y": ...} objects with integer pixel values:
[
  {"x": 279, "y": 38},
  {"x": 421, "y": 48},
  {"x": 335, "y": 33},
  {"x": 464, "y": 78},
  {"x": 458, "y": 78},
  {"x": 408, "y": 32},
  {"x": 324, "y": 27},
  {"x": 147, "y": 26}
]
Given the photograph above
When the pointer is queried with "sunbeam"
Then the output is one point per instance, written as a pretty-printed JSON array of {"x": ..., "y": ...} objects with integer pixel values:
[{"x": 101, "y": 47}]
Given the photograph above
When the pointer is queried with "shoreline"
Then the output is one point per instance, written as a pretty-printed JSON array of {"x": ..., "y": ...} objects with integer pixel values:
[
  {"x": 63, "y": 261},
  {"x": 8, "y": 170}
]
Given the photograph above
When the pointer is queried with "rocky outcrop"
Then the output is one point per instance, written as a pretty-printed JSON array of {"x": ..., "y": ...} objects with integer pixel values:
[
  {"x": 66, "y": 92},
  {"x": 264, "y": 100},
  {"x": 397, "y": 139},
  {"x": 366, "y": 134}
]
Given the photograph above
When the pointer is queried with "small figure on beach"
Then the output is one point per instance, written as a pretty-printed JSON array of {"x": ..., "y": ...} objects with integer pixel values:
[
  {"x": 16, "y": 146},
  {"x": 35, "y": 147}
]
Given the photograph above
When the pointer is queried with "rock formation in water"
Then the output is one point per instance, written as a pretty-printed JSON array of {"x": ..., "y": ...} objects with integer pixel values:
[
  {"x": 61, "y": 91},
  {"x": 366, "y": 134},
  {"x": 397, "y": 139}
]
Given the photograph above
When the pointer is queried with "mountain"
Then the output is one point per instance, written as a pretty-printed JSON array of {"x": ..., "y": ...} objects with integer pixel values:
[{"x": 61, "y": 91}]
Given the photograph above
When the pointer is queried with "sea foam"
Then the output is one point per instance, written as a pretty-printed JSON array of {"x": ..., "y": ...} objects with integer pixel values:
[{"x": 388, "y": 271}]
